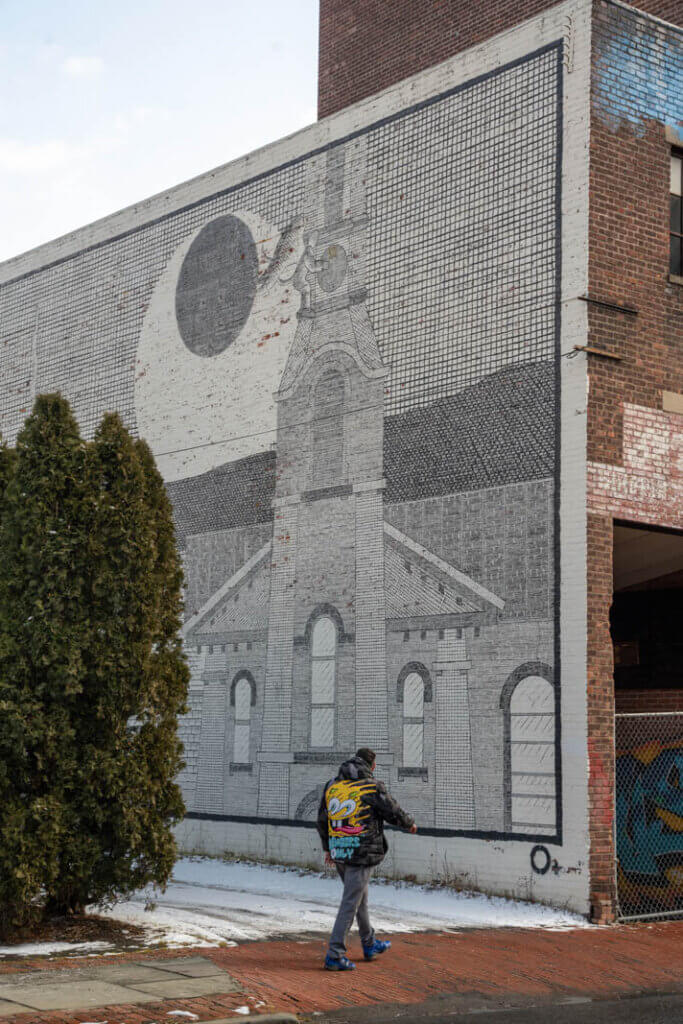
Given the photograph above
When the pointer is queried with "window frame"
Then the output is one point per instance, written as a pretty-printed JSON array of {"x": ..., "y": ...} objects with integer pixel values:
[
  {"x": 328, "y": 616},
  {"x": 411, "y": 721},
  {"x": 413, "y": 668},
  {"x": 527, "y": 670},
  {"x": 327, "y": 440},
  {"x": 676, "y": 154},
  {"x": 243, "y": 676}
]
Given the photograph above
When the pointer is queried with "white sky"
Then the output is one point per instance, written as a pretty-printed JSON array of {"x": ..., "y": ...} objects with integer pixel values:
[{"x": 103, "y": 104}]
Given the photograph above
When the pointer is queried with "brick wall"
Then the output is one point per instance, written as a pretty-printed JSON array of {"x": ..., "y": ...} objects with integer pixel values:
[
  {"x": 368, "y": 45},
  {"x": 636, "y": 701},
  {"x": 600, "y": 718},
  {"x": 425, "y": 316},
  {"x": 633, "y": 444}
]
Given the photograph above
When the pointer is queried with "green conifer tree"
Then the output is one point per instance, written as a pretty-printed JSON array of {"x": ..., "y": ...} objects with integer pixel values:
[
  {"x": 44, "y": 520},
  {"x": 7, "y": 456},
  {"x": 164, "y": 691},
  {"x": 126, "y": 801}
]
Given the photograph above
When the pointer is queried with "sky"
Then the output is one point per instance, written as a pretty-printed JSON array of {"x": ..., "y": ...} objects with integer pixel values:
[{"x": 102, "y": 105}]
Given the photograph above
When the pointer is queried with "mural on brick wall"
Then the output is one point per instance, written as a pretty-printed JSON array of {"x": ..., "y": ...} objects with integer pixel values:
[
  {"x": 347, "y": 371},
  {"x": 649, "y": 813}
]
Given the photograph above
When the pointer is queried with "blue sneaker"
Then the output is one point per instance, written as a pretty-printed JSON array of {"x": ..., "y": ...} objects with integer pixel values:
[
  {"x": 370, "y": 952},
  {"x": 341, "y": 964}
]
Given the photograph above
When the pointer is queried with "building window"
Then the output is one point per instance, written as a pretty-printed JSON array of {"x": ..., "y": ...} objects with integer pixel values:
[
  {"x": 413, "y": 691},
  {"x": 528, "y": 702},
  {"x": 242, "y": 699},
  {"x": 676, "y": 213},
  {"x": 413, "y": 721},
  {"x": 323, "y": 673},
  {"x": 308, "y": 805},
  {"x": 327, "y": 437}
]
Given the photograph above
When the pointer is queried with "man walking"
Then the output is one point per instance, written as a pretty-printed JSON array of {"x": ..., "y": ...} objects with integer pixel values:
[{"x": 351, "y": 820}]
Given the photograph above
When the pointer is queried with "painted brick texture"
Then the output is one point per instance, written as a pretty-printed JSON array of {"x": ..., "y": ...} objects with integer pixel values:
[
  {"x": 368, "y": 45},
  {"x": 634, "y": 448},
  {"x": 359, "y": 435}
]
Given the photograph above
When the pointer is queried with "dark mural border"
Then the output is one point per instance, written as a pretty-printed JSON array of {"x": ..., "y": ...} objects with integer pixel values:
[
  {"x": 558, "y": 47},
  {"x": 557, "y": 667},
  {"x": 557, "y": 838},
  {"x": 462, "y": 833}
]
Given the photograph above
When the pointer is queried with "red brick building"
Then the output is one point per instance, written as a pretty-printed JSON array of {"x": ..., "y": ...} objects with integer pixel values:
[
  {"x": 634, "y": 350},
  {"x": 413, "y": 379}
]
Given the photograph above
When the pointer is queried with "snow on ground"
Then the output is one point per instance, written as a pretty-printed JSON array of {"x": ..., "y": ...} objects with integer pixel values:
[
  {"x": 209, "y": 902},
  {"x": 212, "y": 902},
  {"x": 48, "y": 948}
]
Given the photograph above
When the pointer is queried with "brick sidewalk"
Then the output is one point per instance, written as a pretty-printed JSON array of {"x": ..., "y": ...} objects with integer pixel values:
[{"x": 499, "y": 964}]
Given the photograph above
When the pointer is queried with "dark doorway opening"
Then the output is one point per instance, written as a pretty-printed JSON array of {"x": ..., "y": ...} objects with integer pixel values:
[
  {"x": 647, "y": 618},
  {"x": 647, "y": 632}
]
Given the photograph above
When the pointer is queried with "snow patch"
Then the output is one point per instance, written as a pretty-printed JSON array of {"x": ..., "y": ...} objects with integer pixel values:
[
  {"x": 211, "y": 903},
  {"x": 47, "y": 948}
]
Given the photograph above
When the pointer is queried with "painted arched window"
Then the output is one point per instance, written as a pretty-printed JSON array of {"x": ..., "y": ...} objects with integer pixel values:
[
  {"x": 241, "y": 747},
  {"x": 327, "y": 437},
  {"x": 413, "y": 691},
  {"x": 528, "y": 701},
  {"x": 307, "y": 809},
  {"x": 323, "y": 679},
  {"x": 413, "y": 721}
]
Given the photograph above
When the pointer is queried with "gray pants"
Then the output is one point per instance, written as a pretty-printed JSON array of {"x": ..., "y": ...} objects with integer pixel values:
[{"x": 354, "y": 903}]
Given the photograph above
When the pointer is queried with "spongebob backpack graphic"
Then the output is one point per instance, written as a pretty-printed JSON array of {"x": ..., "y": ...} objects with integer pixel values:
[{"x": 347, "y": 816}]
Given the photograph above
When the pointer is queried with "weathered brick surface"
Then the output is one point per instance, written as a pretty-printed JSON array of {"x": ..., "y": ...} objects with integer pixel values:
[
  {"x": 645, "y": 701},
  {"x": 367, "y": 45},
  {"x": 438, "y": 321},
  {"x": 634, "y": 447},
  {"x": 644, "y": 485},
  {"x": 600, "y": 718}
]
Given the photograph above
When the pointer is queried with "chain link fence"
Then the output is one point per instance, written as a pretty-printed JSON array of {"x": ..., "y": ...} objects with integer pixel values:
[{"x": 649, "y": 815}]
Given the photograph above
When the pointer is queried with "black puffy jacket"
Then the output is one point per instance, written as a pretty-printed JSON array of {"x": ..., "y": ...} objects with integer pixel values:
[{"x": 352, "y": 813}]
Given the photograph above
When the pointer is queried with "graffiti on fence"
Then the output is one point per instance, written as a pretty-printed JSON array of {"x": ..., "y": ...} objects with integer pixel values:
[{"x": 649, "y": 826}]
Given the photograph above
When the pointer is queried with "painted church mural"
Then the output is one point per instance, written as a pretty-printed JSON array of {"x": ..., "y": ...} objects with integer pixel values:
[{"x": 347, "y": 370}]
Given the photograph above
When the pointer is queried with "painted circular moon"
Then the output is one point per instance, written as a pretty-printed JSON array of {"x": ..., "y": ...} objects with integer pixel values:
[
  {"x": 216, "y": 286},
  {"x": 205, "y": 378}
]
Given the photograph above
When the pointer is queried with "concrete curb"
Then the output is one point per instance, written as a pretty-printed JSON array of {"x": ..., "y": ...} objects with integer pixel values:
[{"x": 261, "y": 1018}]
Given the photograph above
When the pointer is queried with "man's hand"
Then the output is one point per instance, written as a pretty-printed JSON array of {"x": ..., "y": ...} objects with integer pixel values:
[
  {"x": 328, "y": 858},
  {"x": 413, "y": 830}
]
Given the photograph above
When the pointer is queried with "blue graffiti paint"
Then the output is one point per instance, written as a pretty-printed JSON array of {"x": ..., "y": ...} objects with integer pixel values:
[
  {"x": 649, "y": 815},
  {"x": 638, "y": 71}
]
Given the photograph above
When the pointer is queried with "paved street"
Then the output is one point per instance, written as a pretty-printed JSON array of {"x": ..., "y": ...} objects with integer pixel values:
[{"x": 659, "y": 1009}]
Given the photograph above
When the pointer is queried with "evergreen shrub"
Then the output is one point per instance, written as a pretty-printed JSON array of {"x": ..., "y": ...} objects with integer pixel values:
[{"x": 92, "y": 672}]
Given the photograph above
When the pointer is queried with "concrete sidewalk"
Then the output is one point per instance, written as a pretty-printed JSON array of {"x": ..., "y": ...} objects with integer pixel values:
[
  {"x": 485, "y": 969},
  {"x": 107, "y": 984}
]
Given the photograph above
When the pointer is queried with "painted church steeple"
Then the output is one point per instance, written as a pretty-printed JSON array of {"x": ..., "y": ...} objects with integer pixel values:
[
  {"x": 329, "y": 479},
  {"x": 330, "y": 399}
]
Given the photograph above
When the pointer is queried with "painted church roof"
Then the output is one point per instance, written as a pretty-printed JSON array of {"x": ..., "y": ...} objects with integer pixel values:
[
  {"x": 418, "y": 585},
  {"x": 240, "y": 605},
  {"x": 498, "y": 431}
]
